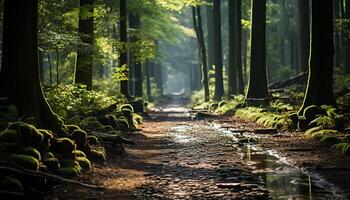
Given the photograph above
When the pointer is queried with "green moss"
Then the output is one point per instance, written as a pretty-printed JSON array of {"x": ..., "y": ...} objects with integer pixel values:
[
  {"x": 126, "y": 107},
  {"x": 52, "y": 164},
  {"x": 79, "y": 153},
  {"x": 63, "y": 145},
  {"x": 106, "y": 129},
  {"x": 84, "y": 163},
  {"x": 68, "y": 163},
  {"x": 93, "y": 140},
  {"x": 11, "y": 184},
  {"x": 49, "y": 155},
  {"x": 80, "y": 137},
  {"x": 72, "y": 127},
  {"x": 310, "y": 131},
  {"x": 32, "y": 152},
  {"x": 123, "y": 122},
  {"x": 9, "y": 136},
  {"x": 26, "y": 161},
  {"x": 97, "y": 155},
  {"x": 69, "y": 172}
]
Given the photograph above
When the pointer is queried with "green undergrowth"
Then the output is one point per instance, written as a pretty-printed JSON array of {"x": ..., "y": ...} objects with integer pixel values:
[{"x": 93, "y": 126}]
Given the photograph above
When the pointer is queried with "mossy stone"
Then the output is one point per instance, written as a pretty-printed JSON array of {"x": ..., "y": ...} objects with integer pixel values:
[
  {"x": 68, "y": 172},
  {"x": 9, "y": 136},
  {"x": 32, "y": 152},
  {"x": 97, "y": 155},
  {"x": 79, "y": 153},
  {"x": 79, "y": 136},
  {"x": 93, "y": 140},
  {"x": 11, "y": 184},
  {"x": 52, "y": 164},
  {"x": 63, "y": 145},
  {"x": 84, "y": 163},
  {"x": 72, "y": 127},
  {"x": 25, "y": 161}
]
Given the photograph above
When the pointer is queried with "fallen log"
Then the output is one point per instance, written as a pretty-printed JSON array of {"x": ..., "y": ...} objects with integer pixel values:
[
  {"x": 300, "y": 78},
  {"x": 116, "y": 139}
]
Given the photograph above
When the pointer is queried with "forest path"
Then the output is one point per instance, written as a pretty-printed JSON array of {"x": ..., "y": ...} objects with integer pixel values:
[{"x": 177, "y": 157}]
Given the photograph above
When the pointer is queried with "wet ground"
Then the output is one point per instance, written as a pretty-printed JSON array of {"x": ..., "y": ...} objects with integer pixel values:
[{"x": 177, "y": 157}]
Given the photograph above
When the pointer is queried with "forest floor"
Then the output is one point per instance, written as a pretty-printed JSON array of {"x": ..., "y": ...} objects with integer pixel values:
[{"x": 177, "y": 157}]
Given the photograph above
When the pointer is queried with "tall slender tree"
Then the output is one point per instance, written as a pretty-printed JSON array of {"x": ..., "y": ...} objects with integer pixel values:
[
  {"x": 123, "y": 60},
  {"x": 257, "y": 87},
  {"x": 210, "y": 33},
  {"x": 197, "y": 23},
  {"x": 135, "y": 23},
  {"x": 219, "y": 81},
  {"x": 83, "y": 74},
  {"x": 235, "y": 77},
  {"x": 319, "y": 89},
  {"x": 304, "y": 34},
  {"x": 19, "y": 76},
  {"x": 347, "y": 36}
]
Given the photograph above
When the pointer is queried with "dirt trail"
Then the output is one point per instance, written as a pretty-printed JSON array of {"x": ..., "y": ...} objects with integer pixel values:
[{"x": 175, "y": 158}]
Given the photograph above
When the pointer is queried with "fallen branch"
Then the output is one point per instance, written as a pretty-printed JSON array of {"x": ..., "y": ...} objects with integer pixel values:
[
  {"x": 301, "y": 78},
  {"x": 52, "y": 177}
]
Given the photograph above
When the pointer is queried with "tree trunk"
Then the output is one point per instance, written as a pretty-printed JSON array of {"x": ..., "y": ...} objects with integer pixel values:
[
  {"x": 41, "y": 66},
  {"x": 83, "y": 74},
  {"x": 123, "y": 60},
  {"x": 347, "y": 37},
  {"x": 135, "y": 23},
  {"x": 257, "y": 86},
  {"x": 304, "y": 34},
  {"x": 159, "y": 77},
  {"x": 57, "y": 67},
  {"x": 219, "y": 81},
  {"x": 210, "y": 35},
  {"x": 337, "y": 61},
  {"x": 196, "y": 14},
  {"x": 235, "y": 78},
  {"x": 19, "y": 78},
  {"x": 319, "y": 89},
  {"x": 148, "y": 81},
  {"x": 50, "y": 66}
]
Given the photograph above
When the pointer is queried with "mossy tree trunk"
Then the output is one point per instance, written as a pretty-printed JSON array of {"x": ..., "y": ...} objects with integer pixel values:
[
  {"x": 347, "y": 36},
  {"x": 219, "y": 81},
  {"x": 19, "y": 77},
  {"x": 210, "y": 34},
  {"x": 135, "y": 24},
  {"x": 304, "y": 34},
  {"x": 123, "y": 37},
  {"x": 197, "y": 23},
  {"x": 257, "y": 86},
  {"x": 235, "y": 78},
  {"x": 319, "y": 89},
  {"x": 83, "y": 73}
]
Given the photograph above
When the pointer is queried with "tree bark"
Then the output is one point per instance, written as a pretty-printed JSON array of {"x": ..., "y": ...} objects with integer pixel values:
[
  {"x": 135, "y": 23},
  {"x": 319, "y": 89},
  {"x": 123, "y": 60},
  {"x": 304, "y": 34},
  {"x": 196, "y": 15},
  {"x": 235, "y": 78},
  {"x": 347, "y": 37},
  {"x": 219, "y": 81},
  {"x": 210, "y": 37},
  {"x": 148, "y": 81},
  {"x": 19, "y": 78},
  {"x": 257, "y": 86},
  {"x": 83, "y": 74}
]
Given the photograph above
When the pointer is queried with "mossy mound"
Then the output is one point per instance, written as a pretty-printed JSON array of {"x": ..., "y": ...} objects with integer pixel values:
[
  {"x": 330, "y": 139},
  {"x": 32, "y": 152},
  {"x": 97, "y": 155},
  {"x": 93, "y": 140},
  {"x": 63, "y": 145},
  {"x": 9, "y": 136},
  {"x": 52, "y": 164},
  {"x": 72, "y": 127},
  {"x": 79, "y": 153},
  {"x": 25, "y": 161},
  {"x": 11, "y": 184},
  {"x": 84, "y": 163},
  {"x": 68, "y": 172},
  {"x": 126, "y": 107},
  {"x": 79, "y": 136},
  {"x": 30, "y": 136}
]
